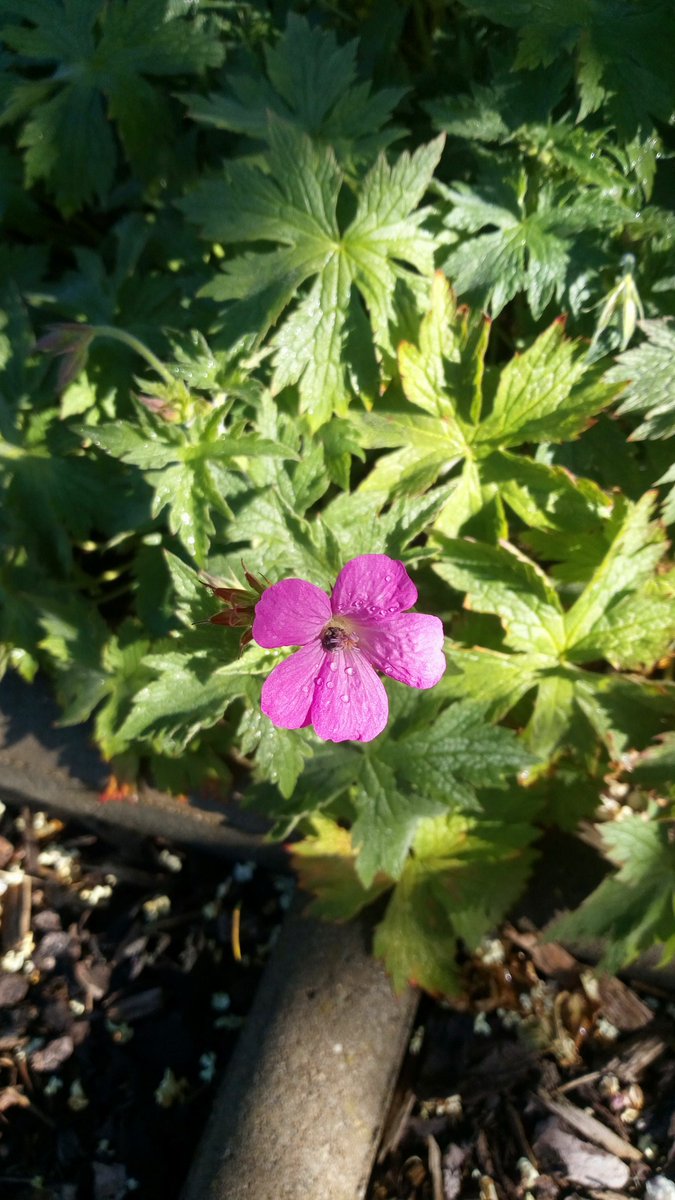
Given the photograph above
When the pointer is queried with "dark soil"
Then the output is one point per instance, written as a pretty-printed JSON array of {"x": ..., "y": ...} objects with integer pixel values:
[
  {"x": 127, "y": 970},
  {"x": 548, "y": 1081}
]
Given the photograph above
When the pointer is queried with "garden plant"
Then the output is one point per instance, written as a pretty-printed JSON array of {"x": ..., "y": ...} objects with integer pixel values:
[{"x": 338, "y": 340}]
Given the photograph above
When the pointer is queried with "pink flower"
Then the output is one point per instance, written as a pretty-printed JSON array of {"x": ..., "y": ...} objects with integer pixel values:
[{"x": 330, "y": 682}]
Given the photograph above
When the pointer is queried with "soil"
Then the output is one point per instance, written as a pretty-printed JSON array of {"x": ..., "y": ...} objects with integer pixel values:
[
  {"x": 127, "y": 969},
  {"x": 547, "y": 1081}
]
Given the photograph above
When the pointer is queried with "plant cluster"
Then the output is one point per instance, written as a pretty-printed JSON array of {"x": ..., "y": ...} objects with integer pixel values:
[{"x": 296, "y": 284}]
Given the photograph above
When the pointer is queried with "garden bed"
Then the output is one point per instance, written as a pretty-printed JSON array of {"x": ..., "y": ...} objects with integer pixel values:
[
  {"x": 128, "y": 968},
  {"x": 131, "y": 962},
  {"x": 547, "y": 1080}
]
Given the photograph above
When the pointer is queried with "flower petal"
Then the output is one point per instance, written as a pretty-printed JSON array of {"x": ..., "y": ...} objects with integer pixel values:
[
  {"x": 350, "y": 703},
  {"x": 409, "y": 648},
  {"x": 288, "y": 691},
  {"x": 290, "y": 613},
  {"x": 373, "y": 587}
]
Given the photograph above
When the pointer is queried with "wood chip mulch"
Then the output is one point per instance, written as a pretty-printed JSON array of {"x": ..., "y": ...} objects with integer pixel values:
[
  {"x": 547, "y": 1081},
  {"x": 126, "y": 968}
]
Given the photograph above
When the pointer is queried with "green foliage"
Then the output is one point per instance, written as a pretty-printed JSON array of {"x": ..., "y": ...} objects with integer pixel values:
[
  {"x": 617, "y": 49},
  {"x": 96, "y": 60},
  {"x": 477, "y": 416},
  {"x": 310, "y": 82},
  {"x": 459, "y": 882},
  {"x": 293, "y": 204},
  {"x": 268, "y": 255},
  {"x": 625, "y": 614},
  {"x": 650, "y": 370},
  {"x": 632, "y": 909},
  {"x": 188, "y": 467},
  {"x": 530, "y": 242}
]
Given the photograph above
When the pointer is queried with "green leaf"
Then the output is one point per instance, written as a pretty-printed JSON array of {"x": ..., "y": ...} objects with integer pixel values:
[
  {"x": 95, "y": 60},
  {"x": 515, "y": 246},
  {"x": 655, "y": 767},
  {"x": 650, "y": 368},
  {"x": 58, "y": 141},
  {"x": 550, "y": 499},
  {"x": 473, "y": 413},
  {"x": 460, "y": 880},
  {"x": 626, "y": 713},
  {"x": 459, "y": 754},
  {"x": 632, "y": 910},
  {"x": 189, "y": 694},
  {"x": 498, "y": 680},
  {"x": 312, "y": 84},
  {"x": 325, "y": 863},
  {"x": 625, "y": 614},
  {"x": 186, "y": 467},
  {"x": 386, "y": 822},
  {"x": 547, "y": 393},
  {"x": 637, "y": 547},
  {"x": 618, "y": 50},
  {"x": 634, "y": 632},
  {"x": 195, "y": 602},
  {"x": 294, "y": 205},
  {"x": 280, "y": 754},
  {"x": 437, "y": 373},
  {"x": 362, "y": 524},
  {"x": 501, "y": 580}
]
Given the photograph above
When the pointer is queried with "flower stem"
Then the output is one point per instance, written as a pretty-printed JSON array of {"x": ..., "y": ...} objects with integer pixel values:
[{"x": 120, "y": 335}]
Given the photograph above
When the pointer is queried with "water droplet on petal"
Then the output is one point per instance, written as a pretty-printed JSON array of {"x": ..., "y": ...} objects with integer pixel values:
[
  {"x": 305, "y": 689},
  {"x": 372, "y": 608},
  {"x": 345, "y": 698},
  {"x": 349, "y": 670},
  {"x": 393, "y": 608},
  {"x": 333, "y": 665},
  {"x": 330, "y": 684},
  {"x": 388, "y": 578},
  {"x": 318, "y": 683},
  {"x": 383, "y": 612}
]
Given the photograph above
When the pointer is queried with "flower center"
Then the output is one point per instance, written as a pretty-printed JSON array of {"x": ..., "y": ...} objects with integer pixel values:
[
  {"x": 337, "y": 636},
  {"x": 334, "y": 637}
]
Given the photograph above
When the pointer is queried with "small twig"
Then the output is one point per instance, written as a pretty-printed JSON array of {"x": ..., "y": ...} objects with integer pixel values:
[
  {"x": 590, "y": 1128},
  {"x": 521, "y": 1135},
  {"x": 236, "y": 927},
  {"x": 396, "y": 1126},
  {"x": 434, "y": 1155},
  {"x": 580, "y": 1081}
]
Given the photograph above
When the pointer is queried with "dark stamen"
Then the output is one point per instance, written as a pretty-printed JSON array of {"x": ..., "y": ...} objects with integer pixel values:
[{"x": 334, "y": 638}]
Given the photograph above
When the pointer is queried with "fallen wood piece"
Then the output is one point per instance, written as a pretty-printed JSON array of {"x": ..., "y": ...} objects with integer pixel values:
[
  {"x": 619, "y": 1003},
  {"x": 580, "y": 1162},
  {"x": 590, "y": 1128},
  {"x": 15, "y": 893},
  {"x": 301, "y": 1107},
  {"x": 396, "y": 1124},
  {"x": 550, "y": 958},
  {"x": 636, "y": 1057}
]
